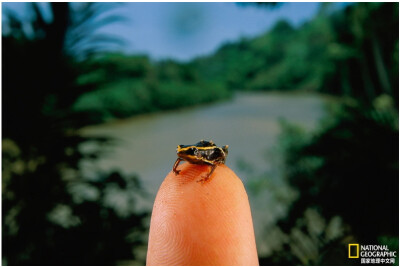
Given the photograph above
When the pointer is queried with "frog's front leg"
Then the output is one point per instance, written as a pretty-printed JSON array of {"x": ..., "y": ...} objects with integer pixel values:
[
  {"x": 178, "y": 160},
  {"x": 207, "y": 177}
]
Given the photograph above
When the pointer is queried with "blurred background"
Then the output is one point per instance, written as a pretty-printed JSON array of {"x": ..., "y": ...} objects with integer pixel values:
[{"x": 96, "y": 96}]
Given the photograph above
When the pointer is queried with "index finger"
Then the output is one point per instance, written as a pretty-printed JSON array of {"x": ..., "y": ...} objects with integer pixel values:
[{"x": 201, "y": 224}]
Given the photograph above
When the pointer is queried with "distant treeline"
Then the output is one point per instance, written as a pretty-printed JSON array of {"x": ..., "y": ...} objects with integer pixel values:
[
  {"x": 351, "y": 51},
  {"x": 129, "y": 85},
  {"x": 348, "y": 52}
]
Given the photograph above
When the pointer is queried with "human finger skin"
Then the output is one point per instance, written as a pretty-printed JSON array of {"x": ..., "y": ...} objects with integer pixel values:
[{"x": 196, "y": 223}]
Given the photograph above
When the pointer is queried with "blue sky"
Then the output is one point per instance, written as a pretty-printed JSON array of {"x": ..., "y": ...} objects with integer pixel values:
[{"x": 183, "y": 31}]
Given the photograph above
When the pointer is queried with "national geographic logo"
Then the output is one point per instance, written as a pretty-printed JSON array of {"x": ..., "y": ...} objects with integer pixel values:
[{"x": 372, "y": 254}]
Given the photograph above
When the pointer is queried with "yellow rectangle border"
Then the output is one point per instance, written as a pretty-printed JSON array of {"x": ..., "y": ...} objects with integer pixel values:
[{"x": 358, "y": 251}]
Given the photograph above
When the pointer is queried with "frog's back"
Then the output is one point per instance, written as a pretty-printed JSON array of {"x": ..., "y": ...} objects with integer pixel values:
[
  {"x": 203, "y": 143},
  {"x": 213, "y": 155}
]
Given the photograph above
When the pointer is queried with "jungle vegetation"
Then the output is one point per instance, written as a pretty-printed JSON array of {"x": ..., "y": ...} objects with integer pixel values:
[{"x": 57, "y": 78}]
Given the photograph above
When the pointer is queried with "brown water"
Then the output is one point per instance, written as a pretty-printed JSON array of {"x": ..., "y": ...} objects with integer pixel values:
[{"x": 248, "y": 124}]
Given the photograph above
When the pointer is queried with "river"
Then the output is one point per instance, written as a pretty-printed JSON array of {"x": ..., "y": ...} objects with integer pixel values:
[{"x": 249, "y": 124}]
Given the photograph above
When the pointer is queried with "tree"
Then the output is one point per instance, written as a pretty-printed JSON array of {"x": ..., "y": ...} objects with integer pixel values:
[{"x": 54, "y": 211}]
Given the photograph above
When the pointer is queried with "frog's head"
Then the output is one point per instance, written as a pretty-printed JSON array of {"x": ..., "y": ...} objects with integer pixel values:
[{"x": 187, "y": 152}]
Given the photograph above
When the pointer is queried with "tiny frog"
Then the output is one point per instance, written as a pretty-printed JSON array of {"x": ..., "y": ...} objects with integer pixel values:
[{"x": 202, "y": 153}]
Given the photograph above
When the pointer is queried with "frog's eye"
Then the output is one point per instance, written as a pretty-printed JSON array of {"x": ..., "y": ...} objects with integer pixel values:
[{"x": 192, "y": 151}]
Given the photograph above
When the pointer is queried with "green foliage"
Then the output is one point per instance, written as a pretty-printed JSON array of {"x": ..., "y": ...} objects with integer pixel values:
[
  {"x": 174, "y": 94},
  {"x": 345, "y": 52},
  {"x": 117, "y": 100},
  {"x": 337, "y": 52},
  {"x": 55, "y": 211},
  {"x": 347, "y": 172},
  {"x": 55, "y": 214},
  {"x": 130, "y": 85},
  {"x": 53, "y": 84}
]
